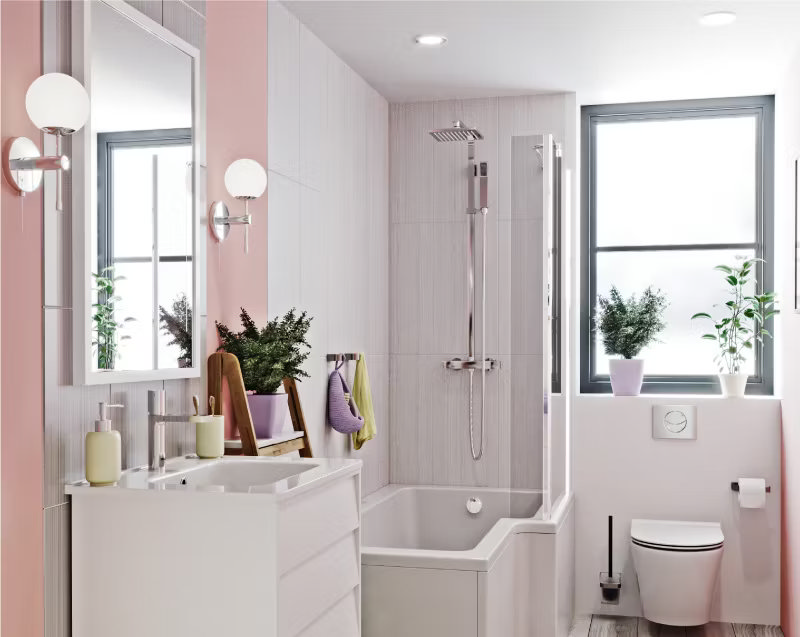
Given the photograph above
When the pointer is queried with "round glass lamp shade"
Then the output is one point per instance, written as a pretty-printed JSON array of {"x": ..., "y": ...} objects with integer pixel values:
[
  {"x": 246, "y": 179},
  {"x": 57, "y": 103}
]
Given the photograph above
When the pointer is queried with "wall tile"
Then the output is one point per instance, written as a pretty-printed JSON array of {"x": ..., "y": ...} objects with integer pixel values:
[
  {"x": 411, "y": 150},
  {"x": 69, "y": 411},
  {"x": 151, "y": 8},
  {"x": 403, "y": 431},
  {"x": 405, "y": 280},
  {"x": 313, "y": 75},
  {"x": 284, "y": 255},
  {"x": 376, "y": 212},
  {"x": 57, "y": 574},
  {"x": 283, "y": 106},
  {"x": 443, "y": 263},
  {"x": 185, "y": 22}
]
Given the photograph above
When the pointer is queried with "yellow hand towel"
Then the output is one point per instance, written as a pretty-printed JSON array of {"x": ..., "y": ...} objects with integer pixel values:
[{"x": 362, "y": 394}]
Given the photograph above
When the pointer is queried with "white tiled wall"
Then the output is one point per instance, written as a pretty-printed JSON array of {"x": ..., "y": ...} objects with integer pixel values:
[
  {"x": 428, "y": 273},
  {"x": 328, "y": 227},
  {"x": 70, "y": 411}
]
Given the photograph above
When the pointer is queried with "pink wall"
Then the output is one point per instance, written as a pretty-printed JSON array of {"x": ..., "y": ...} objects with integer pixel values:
[
  {"x": 21, "y": 341},
  {"x": 236, "y": 80}
]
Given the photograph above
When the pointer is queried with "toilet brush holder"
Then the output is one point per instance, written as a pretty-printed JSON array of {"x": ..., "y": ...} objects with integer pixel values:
[{"x": 610, "y": 587}]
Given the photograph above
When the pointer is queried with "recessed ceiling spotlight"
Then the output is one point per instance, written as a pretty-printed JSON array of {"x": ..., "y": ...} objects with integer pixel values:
[
  {"x": 718, "y": 19},
  {"x": 430, "y": 40}
]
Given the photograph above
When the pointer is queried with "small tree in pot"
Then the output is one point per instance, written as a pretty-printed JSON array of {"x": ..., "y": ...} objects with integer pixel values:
[
  {"x": 741, "y": 326},
  {"x": 267, "y": 356},
  {"x": 627, "y": 326},
  {"x": 178, "y": 324}
]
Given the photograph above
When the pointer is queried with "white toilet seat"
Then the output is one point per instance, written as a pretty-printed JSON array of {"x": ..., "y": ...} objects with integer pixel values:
[
  {"x": 672, "y": 535},
  {"x": 672, "y": 547}
]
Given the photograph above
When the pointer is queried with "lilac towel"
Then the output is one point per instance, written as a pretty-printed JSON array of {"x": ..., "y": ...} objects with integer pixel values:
[{"x": 343, "y": 415}]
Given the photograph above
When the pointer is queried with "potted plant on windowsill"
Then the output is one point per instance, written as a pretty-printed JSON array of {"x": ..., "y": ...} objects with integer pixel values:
[
  {"x": 267, "y": 356},
  {"x": 178, "y": 324},
  {"x": 627, "y": 326},
  {"x": 740, "y": 327}
]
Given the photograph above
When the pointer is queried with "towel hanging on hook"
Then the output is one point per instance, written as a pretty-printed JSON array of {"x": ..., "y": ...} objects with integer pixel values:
[{"x": 343, "y": 414}]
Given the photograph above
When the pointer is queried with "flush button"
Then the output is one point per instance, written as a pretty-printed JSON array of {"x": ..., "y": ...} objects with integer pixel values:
[{"x": 676, "y": 422}]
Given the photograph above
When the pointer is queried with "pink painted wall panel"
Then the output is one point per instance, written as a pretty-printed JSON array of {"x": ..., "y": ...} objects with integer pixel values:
[
  {"x": 236, "y": 80},
  {"x": 21, "y": 340}
]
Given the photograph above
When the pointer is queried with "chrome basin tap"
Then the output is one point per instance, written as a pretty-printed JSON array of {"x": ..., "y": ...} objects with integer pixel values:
[{"x": 157, "y": 420}]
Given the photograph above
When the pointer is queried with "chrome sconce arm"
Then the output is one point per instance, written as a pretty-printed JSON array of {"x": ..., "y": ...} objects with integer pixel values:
[{"x": 245, "y": 179}]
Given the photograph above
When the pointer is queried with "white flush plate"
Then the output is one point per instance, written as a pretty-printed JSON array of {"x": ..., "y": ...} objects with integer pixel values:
[{"x": 675, "y": 422}]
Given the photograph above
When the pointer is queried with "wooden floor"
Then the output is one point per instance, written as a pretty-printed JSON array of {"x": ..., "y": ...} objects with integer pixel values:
[{"x": 605, "y": 626}]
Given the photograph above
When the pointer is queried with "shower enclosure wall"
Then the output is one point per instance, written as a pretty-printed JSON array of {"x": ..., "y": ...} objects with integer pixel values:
[
  {"x": 429, "y": 232},
  {"x": 521, "y": 568}
]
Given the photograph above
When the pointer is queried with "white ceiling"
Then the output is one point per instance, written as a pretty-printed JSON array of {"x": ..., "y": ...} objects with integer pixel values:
[{"x": 606, "y": 51}]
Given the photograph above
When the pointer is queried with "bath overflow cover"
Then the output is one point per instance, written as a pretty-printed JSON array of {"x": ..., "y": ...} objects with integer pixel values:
[{"x": 474, "y": 505}]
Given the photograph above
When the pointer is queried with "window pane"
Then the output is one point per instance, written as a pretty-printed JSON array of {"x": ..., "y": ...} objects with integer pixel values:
[
  {"x": 676, "y": 181},
  {"x": 174, "y": 200},
  {"x": 174, "y": 281},
  {"x": 133, "y": 202},
  {"x": 691, "y": 285},
  {"x": 136, "y": 292}
]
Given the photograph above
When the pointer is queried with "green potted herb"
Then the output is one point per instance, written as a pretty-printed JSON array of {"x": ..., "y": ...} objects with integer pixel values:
[
  {"x": 267, "y": 356},
  {"x": 627, "y": 326},
  {"x": 106, "y": 331},
  {"x": 740, "y": 325},
  {"x": 178, "y": 324}
]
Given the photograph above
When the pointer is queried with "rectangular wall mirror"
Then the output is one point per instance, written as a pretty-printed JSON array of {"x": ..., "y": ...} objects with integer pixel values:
[{"x": 136, "y": 263}]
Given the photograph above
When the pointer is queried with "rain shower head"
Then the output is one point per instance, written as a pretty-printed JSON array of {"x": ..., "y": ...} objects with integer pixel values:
[{"x": 457, "y": 133}]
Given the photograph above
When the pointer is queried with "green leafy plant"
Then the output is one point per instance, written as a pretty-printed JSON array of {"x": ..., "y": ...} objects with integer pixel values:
[
  {"x": 270, "y": 354},
  {"x": 743, "y": 317},
  {"x": 627, "y": 326},
  {"x": 178, "y": 324},
  {"x": 106, "y": 326}
]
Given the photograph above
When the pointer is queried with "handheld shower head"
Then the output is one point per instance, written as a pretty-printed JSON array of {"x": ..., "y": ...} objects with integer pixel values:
[{"x": 457, "y": 133}]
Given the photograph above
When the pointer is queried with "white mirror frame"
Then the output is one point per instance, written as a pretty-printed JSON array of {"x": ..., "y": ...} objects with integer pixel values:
[{"x": 84, "y": 206}]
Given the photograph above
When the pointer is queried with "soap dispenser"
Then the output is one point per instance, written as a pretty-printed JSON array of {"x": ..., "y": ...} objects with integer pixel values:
[{"x": 103, "y": 451}]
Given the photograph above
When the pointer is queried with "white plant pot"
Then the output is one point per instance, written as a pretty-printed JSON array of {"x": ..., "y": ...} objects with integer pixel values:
[
  {"x": 733, "y": 385},
  {"x": 626, "y": 376}
]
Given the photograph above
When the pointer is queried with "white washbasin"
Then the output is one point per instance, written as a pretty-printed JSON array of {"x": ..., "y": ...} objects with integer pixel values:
[
  {"x": 272, "y": 477},
  {"x": 241, "y": 475}
]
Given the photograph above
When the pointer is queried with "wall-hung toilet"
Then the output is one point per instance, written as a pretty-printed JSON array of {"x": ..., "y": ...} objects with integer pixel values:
[{"x": 677, "y": 564}]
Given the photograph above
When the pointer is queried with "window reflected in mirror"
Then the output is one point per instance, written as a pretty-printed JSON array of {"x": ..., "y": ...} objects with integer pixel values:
[{"x": 142, "y": 128}]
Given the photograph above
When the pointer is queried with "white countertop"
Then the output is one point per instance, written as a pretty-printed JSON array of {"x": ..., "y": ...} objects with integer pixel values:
[{"x": 142, "y": 480}]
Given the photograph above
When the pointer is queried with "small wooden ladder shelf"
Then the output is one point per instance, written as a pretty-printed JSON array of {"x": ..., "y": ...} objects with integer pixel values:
[{"x": 222, "y": 365}]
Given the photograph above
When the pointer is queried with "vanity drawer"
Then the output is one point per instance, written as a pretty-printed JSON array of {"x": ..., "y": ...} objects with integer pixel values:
[
  {"x": 305, "y": 593},
  {"x": 339, "y": 621},
  {"x": 310, "y": 523}
]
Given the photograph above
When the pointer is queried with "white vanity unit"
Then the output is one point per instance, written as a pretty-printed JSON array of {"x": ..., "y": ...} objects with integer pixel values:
[{"x": 234, "y": 546}]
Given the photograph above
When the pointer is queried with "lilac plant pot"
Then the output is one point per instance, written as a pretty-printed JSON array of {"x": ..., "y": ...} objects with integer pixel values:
[
  {"x": 626, "y": 376},
  {"x": 269, "y": 413}
]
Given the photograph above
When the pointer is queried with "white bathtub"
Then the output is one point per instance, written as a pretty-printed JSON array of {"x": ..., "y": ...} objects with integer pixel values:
[{"x": 432, "y": 569}]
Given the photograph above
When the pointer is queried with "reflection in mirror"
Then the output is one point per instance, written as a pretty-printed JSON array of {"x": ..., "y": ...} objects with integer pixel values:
[{"x": 142, "y": 130}]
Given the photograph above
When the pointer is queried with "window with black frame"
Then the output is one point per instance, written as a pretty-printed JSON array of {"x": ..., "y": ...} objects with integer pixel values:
[
  {"x": 669, "y": 191},
  {"x": 145, "y": 241}
]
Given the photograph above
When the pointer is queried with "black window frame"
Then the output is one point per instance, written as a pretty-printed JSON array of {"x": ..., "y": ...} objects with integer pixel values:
[{"x": 763, "y": 107}]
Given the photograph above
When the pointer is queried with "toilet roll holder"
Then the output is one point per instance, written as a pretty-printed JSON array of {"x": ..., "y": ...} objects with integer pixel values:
[{"x": 735, "y": 487}]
